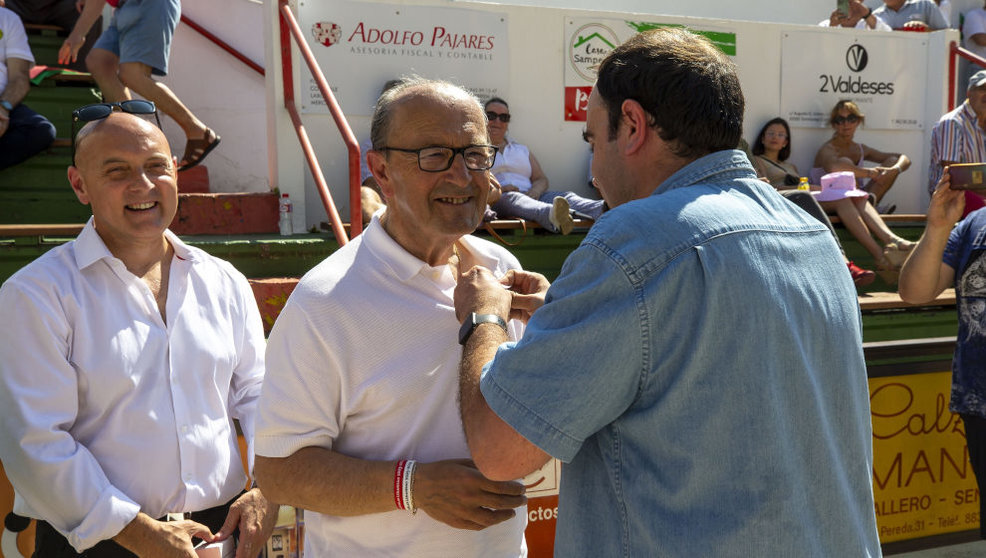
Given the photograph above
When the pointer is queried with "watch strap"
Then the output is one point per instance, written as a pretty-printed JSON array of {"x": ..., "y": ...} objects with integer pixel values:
[
  {"x": 473, "y": 321},
  {"x": 6, "y": 104}
]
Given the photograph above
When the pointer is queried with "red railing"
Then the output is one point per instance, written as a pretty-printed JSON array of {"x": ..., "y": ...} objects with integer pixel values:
[
  {"x": 223, "y": 45},
  {"x": 289, "y": 26},
  {"x": 954, "y": 52}
]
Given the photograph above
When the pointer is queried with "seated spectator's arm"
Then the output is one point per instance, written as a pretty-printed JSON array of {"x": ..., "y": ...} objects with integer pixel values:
[
  {"x": 453, "y": 492},
  {"x": 924, "y": 275},
  {"x": 69, "y": 52},
  {"x": 979, "y": 39},
  {"x": 539, "y": 182},
  {"x": 18, "y": 84}
]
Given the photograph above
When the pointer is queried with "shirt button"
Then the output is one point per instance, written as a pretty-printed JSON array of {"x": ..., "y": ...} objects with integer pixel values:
[
  {"x": 188, "y": 476},
  {"x": 184, "y": 429}
]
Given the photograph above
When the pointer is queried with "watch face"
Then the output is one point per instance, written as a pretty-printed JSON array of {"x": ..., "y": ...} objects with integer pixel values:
[{"x": 7, "y": 105}]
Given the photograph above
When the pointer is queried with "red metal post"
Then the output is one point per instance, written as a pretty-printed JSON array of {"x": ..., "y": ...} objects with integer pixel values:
[
  {"x": 223, "y": 44},
  {"x": 951, "y": 75},
  {"x": 356, "y": 216}
]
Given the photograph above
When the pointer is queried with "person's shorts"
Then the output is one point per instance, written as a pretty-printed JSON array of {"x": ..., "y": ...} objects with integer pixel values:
[{"x": 141, "y": 31}]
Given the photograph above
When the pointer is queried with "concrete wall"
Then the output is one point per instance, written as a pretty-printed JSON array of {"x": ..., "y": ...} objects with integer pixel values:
[
  {"x": 222, "y": 91},
  {"x": 536, "y": 36}
]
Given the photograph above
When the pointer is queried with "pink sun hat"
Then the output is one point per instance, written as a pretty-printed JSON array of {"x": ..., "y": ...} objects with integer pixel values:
[{"x": 838, "y": 185}]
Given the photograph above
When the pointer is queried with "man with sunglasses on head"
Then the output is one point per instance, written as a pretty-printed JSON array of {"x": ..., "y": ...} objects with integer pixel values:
[
  {"x": 23, "y": 132},
  {"x": 135, "y": 47},
  {"x": 125, "y": 358},
  {"x": 358, "y": 422}
]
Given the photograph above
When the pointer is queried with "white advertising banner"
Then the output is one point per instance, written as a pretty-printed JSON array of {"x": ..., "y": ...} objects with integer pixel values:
[
  {"x": 883, "y": 73},
  {"x": 361, "y": 45},
  {"x": 588, "y": 41}
]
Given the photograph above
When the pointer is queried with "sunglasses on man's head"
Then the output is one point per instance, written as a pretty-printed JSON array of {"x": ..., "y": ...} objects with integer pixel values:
[
  {"x": 491, "y": 116},
  {"x": 852, "y": 119},
  {"x": 99, "y": 111}
]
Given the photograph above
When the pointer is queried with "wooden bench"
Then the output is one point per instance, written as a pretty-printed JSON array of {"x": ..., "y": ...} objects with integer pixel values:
[
  {"x": 887, "y": 301},
  {"x": 899, "y": 218}
]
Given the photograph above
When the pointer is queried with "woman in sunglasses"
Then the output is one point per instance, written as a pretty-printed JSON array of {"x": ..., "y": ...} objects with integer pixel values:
[
  {"x": 524, "y": 187},
  {"x": 841, "y": 153},
  {"x": 770, "y": 152}
]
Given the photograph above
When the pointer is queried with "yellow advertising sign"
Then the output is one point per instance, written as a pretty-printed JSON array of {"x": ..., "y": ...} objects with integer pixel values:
[{"x": 923, "y": 483}]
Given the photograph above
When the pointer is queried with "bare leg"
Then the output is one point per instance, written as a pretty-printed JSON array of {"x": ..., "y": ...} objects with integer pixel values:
[
  {"x": 370, "y": 202},
  {"x": 104, "y": 67},
  {"x": 876, "y": 223},
  {"x": 851, "y": 218},
  {"x": 137, "y": 76}
]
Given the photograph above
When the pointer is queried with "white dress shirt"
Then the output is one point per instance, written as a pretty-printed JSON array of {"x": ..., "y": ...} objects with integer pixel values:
[
  {"x": 364, "y": 360},
  {"x": 107, "y": 409}
]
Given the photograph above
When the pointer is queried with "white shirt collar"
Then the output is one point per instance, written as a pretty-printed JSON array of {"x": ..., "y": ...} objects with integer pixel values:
[{"x": 90, "y": 248}]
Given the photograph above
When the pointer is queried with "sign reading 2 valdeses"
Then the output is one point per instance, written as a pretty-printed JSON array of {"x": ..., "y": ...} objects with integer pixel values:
[{"x": 820, "y": 68}]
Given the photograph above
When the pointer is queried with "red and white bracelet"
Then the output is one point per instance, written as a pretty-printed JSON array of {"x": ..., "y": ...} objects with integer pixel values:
[{"x": 404, "y": 485}]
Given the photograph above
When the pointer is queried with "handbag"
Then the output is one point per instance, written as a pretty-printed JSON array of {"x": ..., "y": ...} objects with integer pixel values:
[{"x": 789, "y": 179}]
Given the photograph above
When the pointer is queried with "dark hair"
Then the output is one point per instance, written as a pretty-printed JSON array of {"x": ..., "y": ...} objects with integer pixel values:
[
  {"x": 383, "y": 112},
  {"x": 852, "y": 107},
  {"x": 785, "y": 152},
  {"x": 495, "y": 100},
  {"x": 688, "y": 86}
]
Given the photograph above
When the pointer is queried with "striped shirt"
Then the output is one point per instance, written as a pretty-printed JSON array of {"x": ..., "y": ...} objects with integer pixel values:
[{"x": 956, "y": 138}]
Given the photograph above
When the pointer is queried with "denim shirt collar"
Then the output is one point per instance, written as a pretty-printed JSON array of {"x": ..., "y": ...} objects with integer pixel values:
[{"x": 724, "y": 165}]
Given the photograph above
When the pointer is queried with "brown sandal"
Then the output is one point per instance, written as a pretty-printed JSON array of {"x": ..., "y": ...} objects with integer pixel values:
[{"x": 197, "y": 149}]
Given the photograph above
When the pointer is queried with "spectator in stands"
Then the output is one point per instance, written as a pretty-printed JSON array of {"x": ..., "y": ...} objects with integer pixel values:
[
  {"x": 960, "y": 137},
  {"x": 974, "y": 39},
  {"x": 912, "y": 15},
  {"x": 135, "y": 46},
  {"x": 63, "y": 13},
  {"x": 131, "y": 357},
  {"x": 23, "y": 132},
  {"x": 524, "y": 187},
  {"x": 770, "y": 152},
  {"x": 841, "y": 153},
  {"x": 950, "y": 255},
  {"x": 363, "y": 361},
  {"x": 859, "y": 17},
  {"x": 697, "y": 364},
  {"x": 946, "y": 10}
]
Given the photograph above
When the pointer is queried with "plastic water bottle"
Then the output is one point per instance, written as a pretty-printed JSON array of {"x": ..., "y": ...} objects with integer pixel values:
[
  {"x": 285, "y": 209},
  {"x": 803, "y": 185}
]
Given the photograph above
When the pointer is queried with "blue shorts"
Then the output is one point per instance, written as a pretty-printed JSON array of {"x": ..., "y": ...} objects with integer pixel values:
[{"x": 141, "y": 31}]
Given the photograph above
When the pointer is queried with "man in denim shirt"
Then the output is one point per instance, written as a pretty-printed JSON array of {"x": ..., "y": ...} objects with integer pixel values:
[
  {"x": 947, "y": 257},
  {"x": 698, "y": 364}
]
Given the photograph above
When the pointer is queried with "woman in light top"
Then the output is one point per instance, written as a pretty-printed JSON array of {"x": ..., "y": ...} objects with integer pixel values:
[
  {"x": 841, "y": 153},
  {"x": 770, "y": 152},
  {"x": 524, "y": 186}
]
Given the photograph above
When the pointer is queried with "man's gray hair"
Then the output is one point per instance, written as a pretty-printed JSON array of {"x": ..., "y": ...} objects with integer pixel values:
[{"x": 383, "y": 112}]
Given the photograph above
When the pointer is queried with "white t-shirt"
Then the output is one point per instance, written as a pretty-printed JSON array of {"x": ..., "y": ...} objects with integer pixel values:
[
  {"x": 512, "y": 166},
  {"x": 364, "y": 360},
  {"x": 975, "y": 23},
  {"x": 13, "y": 43}
]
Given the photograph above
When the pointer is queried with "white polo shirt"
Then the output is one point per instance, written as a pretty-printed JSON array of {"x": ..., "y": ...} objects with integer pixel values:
[{"x": 364, "y": 360}]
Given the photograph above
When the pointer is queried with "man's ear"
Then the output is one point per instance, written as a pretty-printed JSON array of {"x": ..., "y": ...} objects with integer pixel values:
[
  {"x": 377, "y": 163},
  {"x": 78, "y": 185},
  {"x": 636, "y": 125}
]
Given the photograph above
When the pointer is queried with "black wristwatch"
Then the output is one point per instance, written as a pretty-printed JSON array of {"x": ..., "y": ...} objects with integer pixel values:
[
  {"x": 474, "y": 319},
  {"x": 6, "y": 104},
  {"x": 868, "y": 14}
]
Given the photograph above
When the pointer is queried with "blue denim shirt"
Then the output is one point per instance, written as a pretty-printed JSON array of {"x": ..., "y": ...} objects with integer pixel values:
[
  {"x": 966, "y": 254},
  {"x": 698, "y": 366}
]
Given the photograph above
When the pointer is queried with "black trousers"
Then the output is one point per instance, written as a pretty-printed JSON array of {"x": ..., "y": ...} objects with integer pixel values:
[
  {"x": 975, "y": 438},
  {"x": 49, "y": 543}
]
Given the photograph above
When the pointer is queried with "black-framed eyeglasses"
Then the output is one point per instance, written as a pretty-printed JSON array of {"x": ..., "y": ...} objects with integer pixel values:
[
  {"x": 852, "y": 119},
  {"x": 439, "y": 158},
  {"x": 504, "y": 117},
  {"x": 99, "y": 111}
]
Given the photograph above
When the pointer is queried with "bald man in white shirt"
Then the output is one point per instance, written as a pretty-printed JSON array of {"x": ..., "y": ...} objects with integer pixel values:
[{"x": 124, "y": 358}]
